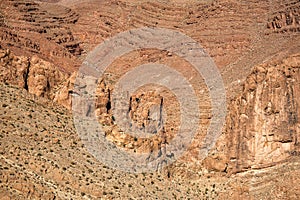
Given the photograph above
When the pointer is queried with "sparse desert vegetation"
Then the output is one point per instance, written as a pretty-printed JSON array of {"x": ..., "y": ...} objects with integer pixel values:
[{"x": 254, "y": 45}]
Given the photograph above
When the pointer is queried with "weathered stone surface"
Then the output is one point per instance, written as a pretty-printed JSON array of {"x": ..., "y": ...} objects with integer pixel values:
[
  {"x": 28, "y": 27},
  {"x": 286, "y": 19},
  {"x": 33, "y": 74},
  {"x": 262, "y": 127},
  {"x": 13, "y": 69},
  {"x": 42, "y": 157},
  {"x": 43, "y": 78},
  {"x": 64, "y": 93}
]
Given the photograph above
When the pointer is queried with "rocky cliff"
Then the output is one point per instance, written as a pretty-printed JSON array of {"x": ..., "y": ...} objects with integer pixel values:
[
  {"x": 262, "y": 126},
  {"x": 36, "y": 75},
  {"x": 255, "y": 45}
]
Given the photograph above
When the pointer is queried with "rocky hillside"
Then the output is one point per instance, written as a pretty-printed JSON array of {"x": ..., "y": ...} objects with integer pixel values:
[
  {"x": 42, "y": 157},
  {"x": 30, "y": 28},
  {"x": 254, "y": 45}
]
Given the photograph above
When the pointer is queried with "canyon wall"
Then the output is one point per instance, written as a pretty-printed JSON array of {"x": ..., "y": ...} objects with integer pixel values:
[{"x": 262, "y": 125}]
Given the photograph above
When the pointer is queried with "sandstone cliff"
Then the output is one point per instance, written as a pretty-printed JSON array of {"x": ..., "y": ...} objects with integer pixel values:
[
  {"x": 37, "y": 76},
  {"x": 262, "y": 126}
]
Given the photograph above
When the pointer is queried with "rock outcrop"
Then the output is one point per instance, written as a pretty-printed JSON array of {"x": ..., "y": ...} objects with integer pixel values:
[
  {"x": 262, "y": 126},
  {"x": 64, "y": 93},
  {"x": 37, "y": 76},
  {"x": 256, "y": 157},
  {"x": 14, "y": 69},
  {"x": 263, "y": 111},
  {"x": 145, "y": 113}
]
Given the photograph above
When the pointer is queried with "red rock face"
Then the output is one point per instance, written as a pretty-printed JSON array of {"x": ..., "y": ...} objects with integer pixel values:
[
  {"x": 62, "y": 27},
  {"x": 14, "y": 70},
  {"x": 262, "y": 127},
  {"x": 254, "y": 44},
  {"x": 37, "y": 76}
]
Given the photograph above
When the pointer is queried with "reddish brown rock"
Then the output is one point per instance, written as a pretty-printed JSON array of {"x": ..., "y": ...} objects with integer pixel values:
[
  {"x": 262, "y": 126},
  {"x": 43, "y": 78},
  {"x": 64, "y": 93},
  {"x": 40, "y": 148},
  {"x": 38, "y": 76}
]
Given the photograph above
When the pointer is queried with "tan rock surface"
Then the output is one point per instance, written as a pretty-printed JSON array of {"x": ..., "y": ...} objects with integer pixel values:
[
  {"x": 262, "y": 126},
  {"x": 37, "y": 76}
]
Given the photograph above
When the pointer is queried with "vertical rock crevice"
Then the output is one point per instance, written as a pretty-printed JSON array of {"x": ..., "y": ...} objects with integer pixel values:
[{"x": 26, "y": 74}]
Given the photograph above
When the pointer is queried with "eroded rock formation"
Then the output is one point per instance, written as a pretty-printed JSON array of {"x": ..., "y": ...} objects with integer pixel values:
[
  {"x": 39, "y": 77},
  {"x": 42, "y": 156},
  {"x": 262, "y": 126}
]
